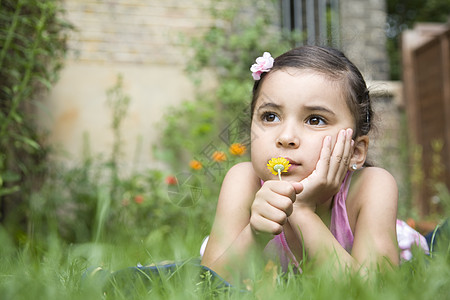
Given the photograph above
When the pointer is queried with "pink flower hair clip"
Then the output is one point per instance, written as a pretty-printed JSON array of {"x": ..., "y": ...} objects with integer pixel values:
[{"x": 263, "y": 64}]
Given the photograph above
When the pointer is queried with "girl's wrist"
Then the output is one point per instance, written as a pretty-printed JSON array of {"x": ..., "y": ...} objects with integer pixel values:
[
  {"x": 301, "y": 207},
  {"x": 302, "y": 215},
  {"x": 302, "y": 212}
]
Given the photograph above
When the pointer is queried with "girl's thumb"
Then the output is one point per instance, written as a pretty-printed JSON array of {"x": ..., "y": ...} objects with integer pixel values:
[{"x": 298, "y": 186}]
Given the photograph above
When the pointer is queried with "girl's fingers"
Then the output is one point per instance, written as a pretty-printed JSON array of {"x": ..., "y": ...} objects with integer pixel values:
[
  {"x": 283, "y": 188},
  {"x": 298, "y": 187},
  {"x": 263, "y": 225},
  {"x": 323, "y": 163},
  {"x": 282, "y": 204},
  {"x": 340, "y": 156},
  {"x": 336, "y": 155},
  {"x": 347, "y": 154},
  {"x": 275, "y": 215}
]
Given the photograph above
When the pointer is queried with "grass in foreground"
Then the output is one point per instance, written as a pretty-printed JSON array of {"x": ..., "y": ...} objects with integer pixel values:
[{"x": 54, "y": 270}]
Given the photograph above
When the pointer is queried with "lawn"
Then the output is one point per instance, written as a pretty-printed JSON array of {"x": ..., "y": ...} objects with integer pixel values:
[{"x": 53, "y": 269}]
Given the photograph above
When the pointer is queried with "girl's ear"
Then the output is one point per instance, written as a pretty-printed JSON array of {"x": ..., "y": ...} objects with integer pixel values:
[{"x": 359, "y": 153}]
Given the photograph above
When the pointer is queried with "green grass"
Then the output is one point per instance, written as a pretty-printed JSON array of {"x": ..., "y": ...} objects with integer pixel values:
[{"x": 51, "y": 269}]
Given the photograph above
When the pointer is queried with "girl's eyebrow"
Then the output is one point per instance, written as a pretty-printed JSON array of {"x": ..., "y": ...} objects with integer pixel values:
[
  {"x": 269, "y": 104},
  {"x": 319, "y": 108}
]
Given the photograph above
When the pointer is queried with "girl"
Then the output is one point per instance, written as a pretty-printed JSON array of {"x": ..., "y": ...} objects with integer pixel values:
[{"x": 310, "y": 106}]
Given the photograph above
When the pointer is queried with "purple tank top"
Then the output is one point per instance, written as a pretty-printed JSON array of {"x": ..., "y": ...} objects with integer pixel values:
[{"x": 339, "y": 226}]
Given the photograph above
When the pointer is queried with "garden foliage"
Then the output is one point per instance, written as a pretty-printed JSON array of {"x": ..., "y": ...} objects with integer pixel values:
[{"x": 32, "y": 38}]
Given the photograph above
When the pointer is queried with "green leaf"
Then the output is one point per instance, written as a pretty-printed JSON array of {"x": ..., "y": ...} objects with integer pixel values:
[
  {"x": 16, "y": 117},
  {"x": 45, "y": 82},
  {"x": 7, "y": 191},
  {"x": 9, "y": 176},
  {"x": 28, "y": 141}
]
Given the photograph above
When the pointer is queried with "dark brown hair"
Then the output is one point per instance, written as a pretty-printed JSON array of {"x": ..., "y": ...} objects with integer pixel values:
[{"x": 335, "y": 65}]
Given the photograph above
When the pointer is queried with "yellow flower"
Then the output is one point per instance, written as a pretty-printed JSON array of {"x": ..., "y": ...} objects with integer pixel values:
[
  {"x": 219, "y": 156},
  {"x": 278, "y": 165},
  {"x": 195, "y": 164},
  {"x": 237, "y": 149}
]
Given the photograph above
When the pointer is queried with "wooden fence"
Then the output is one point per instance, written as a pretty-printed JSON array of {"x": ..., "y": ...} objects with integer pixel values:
[{"x": 426, "y": 78}]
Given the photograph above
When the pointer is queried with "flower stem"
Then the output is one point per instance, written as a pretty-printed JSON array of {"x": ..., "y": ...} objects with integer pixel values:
[{"x": 279, "y": 174}]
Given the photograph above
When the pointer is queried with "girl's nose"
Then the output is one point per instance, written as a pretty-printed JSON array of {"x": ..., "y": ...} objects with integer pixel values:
[{"x": 288, "y": 138}]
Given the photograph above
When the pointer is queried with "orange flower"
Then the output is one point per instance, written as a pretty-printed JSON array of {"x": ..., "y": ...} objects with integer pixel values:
[
  {"x": 138, "y": 199},
  {"x": 411, "y": 222},
  {"x": 237, "y": 149},
  {"x": 195, "y": 164},
  {"x": 171, "y": 180},
  {"x": 219, "y": 156}
]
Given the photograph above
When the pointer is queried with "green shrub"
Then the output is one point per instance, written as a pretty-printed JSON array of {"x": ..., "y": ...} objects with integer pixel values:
[{"x": 32, "y": 39}]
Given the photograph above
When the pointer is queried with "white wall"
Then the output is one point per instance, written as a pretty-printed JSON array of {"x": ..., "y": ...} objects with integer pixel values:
[{"x": 142, "y": 41}]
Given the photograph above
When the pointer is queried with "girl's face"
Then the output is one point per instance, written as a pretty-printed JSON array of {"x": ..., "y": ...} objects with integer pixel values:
[{"x": 294, "y": 112}]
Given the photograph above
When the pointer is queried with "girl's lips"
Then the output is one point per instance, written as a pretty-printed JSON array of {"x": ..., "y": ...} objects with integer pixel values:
[{"x": 292, "y": 162}]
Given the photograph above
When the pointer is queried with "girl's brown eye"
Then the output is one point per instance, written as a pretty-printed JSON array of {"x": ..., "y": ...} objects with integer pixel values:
[
  {"x": 270, "y": 117},
  {"x": 316, "y": 121}
]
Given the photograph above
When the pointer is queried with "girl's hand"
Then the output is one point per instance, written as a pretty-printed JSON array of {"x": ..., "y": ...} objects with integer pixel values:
[
  {"x": 272, "y": 206},
  {"x": 325, "y": 181}
]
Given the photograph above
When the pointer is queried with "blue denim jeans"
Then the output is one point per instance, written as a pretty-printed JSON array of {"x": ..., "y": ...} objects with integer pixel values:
[
  {"x": 439, "y": 239},
  {"x": 128, "y": 280}
]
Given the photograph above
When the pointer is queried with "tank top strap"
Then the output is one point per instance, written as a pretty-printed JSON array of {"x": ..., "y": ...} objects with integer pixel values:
[{"x": 340, "y": 226}]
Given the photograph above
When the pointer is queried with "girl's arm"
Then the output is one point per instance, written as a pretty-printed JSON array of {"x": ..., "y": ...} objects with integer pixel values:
[
  {"x": 375, "y": 193},
  {"x": 231, "y": 235}
]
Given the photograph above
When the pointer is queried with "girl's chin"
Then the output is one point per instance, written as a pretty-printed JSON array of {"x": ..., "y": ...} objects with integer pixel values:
[{"x": 293, "y": 177}]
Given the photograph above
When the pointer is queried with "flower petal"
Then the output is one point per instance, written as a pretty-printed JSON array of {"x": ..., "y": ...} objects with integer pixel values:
[{"x": 263, "y": 64}]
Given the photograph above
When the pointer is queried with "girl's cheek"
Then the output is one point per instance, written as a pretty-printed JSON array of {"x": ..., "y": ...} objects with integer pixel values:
[
  {"x": 255, "y": 132},
  {"x": 318, "y": 148},
  {"x": 334, "y": 138}
]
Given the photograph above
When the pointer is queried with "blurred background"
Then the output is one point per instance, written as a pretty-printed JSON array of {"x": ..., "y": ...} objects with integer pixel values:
[{"x": 120, "y": 118}]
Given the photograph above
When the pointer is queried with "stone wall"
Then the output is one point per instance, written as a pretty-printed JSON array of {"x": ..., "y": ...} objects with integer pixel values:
[
  {"x": 363, "y": 36},
  {"x": 388, "y": 139},
  {"x": 363, "y": 40},
  {"x": 134, "y": 31}
]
